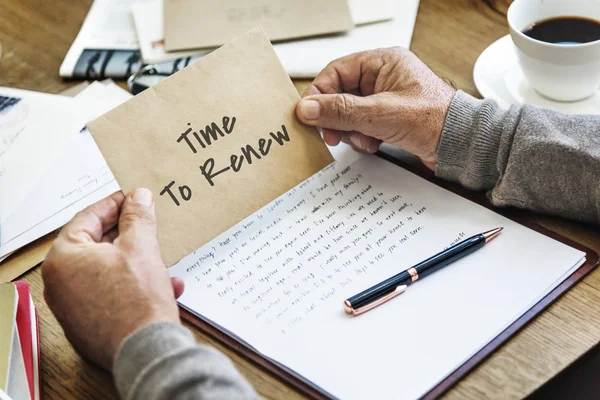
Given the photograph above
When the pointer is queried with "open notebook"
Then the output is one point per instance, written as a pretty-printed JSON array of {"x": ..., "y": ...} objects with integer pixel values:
[{"x": 277, "y": 280}]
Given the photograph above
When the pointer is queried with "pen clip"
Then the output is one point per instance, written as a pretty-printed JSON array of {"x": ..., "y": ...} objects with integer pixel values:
[{"x": 348, "y": 307}]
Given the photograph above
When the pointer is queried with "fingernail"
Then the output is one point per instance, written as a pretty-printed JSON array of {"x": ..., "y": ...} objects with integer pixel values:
[
  {"x": 355, "y": 139},
  {"x": 142, "y": 196},
  {"x": 310, "y": 109}
]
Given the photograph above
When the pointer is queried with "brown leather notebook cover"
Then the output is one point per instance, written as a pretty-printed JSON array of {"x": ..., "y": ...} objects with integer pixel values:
[{"x": 313, "y": 391}]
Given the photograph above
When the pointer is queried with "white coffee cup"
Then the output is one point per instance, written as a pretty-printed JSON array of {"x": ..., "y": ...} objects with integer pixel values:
[{"x": 564, "y": 72}]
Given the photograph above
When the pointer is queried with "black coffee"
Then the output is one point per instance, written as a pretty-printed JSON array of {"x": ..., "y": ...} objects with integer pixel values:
[{"x": 565, "y": 30}]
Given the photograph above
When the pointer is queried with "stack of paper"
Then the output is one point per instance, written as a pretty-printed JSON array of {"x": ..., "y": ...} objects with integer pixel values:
[
  {"x": 118, "y": 37},
  {"x": 19, "y": 343},
  {"x": 50, "y": 167}
]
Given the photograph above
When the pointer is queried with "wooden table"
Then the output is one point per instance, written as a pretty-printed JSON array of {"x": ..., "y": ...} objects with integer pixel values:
[{"x": 449, "y": 35}]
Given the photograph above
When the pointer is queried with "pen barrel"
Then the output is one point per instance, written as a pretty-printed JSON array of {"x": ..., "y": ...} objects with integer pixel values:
[
  {"x": 379, "y": 290},
  {"x": 422, "y": 270},
  {"x": 449, "y": 256}
]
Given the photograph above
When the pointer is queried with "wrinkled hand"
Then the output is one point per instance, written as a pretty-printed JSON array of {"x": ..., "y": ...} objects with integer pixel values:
[
  {"x": 385, "y": 95},
  {"x": 104, "y": 277}
]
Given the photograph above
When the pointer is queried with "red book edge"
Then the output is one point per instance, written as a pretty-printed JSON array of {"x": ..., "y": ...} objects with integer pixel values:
[{"x": 27, "y": 326}]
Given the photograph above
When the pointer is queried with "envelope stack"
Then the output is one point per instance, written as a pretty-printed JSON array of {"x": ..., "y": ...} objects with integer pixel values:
[
  {"x": 50, "y": 166},
  {"x": 120, "y": 37}
]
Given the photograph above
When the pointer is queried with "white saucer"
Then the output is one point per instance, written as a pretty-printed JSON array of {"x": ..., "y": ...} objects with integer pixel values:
[{"x": 498, "y": 76}]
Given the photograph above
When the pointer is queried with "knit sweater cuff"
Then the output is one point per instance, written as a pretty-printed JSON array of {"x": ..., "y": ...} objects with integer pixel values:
[
  {"x": 143, "y": 348},
  {"x": 468, "y": 148}
]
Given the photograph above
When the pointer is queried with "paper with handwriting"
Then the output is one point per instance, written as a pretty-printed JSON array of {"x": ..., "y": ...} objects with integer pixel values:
[{"x": 278, "y": 279}]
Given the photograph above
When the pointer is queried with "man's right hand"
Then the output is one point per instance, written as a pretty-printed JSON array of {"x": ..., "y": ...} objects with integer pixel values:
[{"x": 385, "y": 95}]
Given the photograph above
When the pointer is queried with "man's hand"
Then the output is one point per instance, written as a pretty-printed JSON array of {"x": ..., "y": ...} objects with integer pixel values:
[
  {"x": 104, "y": 277},
  {"x": 385, "y": 95}
]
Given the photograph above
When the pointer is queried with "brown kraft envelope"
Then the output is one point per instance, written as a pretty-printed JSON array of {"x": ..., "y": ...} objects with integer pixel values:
[
  {"x": 190, "y": 24},
  {"x": 215, "y": 142}
]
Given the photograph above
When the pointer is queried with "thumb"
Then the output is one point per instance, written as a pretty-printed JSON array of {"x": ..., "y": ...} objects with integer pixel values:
[
  {"x": 341, "y": 111},
  {"x": 137, "y": 221}
]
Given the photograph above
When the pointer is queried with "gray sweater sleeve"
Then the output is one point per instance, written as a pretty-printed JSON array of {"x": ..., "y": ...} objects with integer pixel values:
[
  {"x": 163, "y": 361},
  {"x": 525, "y": 157}
]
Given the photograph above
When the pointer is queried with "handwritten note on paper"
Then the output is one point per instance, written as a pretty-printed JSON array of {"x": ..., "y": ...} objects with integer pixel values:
[
  {"x": 279, "y": 265},
  {"x": 192, "y": 24},
  {"x": 214, "y": 142},
  {"x": 278, "y": 279}
]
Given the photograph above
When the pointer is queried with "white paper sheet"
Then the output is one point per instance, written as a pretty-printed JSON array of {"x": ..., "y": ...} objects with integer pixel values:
[
  {"x": 35, "y": 350},
  {"x": 306, "y": 58},
  {"x": 279, "y": 278},
  {"x": 78, "y": 178},
  {"x": 301, "y": 58},
  {"x": 108, "y": 25},
  {"x": 33, "y": 132},
  {"x": 17, "y": 387}
]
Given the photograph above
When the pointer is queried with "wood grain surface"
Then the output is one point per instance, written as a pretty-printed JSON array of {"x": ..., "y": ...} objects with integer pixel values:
[{"x": 449, "y": 35}]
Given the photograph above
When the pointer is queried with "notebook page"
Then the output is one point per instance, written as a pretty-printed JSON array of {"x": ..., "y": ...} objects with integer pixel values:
[{"x": 279, "y": 278}]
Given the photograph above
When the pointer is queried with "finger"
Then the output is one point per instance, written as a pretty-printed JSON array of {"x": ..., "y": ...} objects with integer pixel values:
[
  {"x": 111, "y": 235},
  {"x": 355, "y": 73},
  {"x": 310, "y": 90},
  {"x": 332, "y": 137},
  {"x": 178, "y": 286},
  {"x": 364, "y": 142},
  {"x": 361, "y": 142},
  {"x": 91, "y": 223},
  {"x": 137, "y": 222},
  {"x": 343, "y": 111}
]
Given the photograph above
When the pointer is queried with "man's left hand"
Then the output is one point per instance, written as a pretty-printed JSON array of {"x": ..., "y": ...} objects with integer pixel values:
[{"x": 104, "y": 277}]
